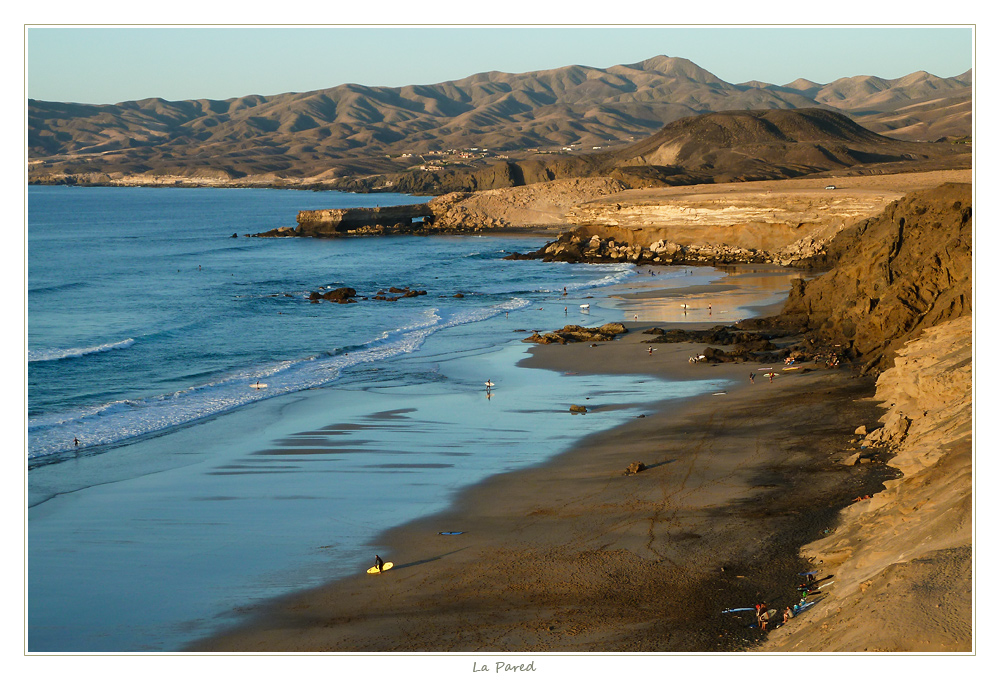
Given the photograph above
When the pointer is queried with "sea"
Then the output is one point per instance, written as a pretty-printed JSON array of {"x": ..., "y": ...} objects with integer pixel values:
[{"x": 201, "y": 437}]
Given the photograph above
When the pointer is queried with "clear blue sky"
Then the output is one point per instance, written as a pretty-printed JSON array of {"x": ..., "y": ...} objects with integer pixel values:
[{"x": 105, "y": 65}]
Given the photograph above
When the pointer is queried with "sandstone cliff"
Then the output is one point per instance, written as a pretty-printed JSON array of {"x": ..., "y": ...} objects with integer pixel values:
[
  {"x": 902, "y": 559},
  {"x": 908, "y": 269},
  {"x": 788, "y": 222}
]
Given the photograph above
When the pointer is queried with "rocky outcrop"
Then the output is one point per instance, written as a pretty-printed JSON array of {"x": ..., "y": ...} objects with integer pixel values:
[
  {"x": 745, "y": 345},
  {"x": 574, "y": 333},
  {"x": 906, "y": 270},
  {"x": 335, "y": 222},
  {"x": 395, "y": 293},
  {"x": 340, "y": 295},
  {"x": 573, "y": 247}
]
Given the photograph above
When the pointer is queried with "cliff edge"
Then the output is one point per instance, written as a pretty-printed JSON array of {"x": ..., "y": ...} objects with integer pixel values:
[{"x": 902, "y": 560}]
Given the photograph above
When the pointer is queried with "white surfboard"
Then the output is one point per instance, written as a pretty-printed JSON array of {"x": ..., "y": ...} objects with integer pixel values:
[{"x": 259, "y": 386}]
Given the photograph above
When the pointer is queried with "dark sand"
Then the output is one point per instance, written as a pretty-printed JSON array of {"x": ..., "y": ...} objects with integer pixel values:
[{"x": 574, "y": 556}]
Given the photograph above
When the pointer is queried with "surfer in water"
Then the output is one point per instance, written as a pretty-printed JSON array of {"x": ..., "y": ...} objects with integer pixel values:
[{"x": 379, "y": 563}]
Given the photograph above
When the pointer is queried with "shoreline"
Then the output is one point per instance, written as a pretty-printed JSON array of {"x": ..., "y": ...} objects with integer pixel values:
[{"x": 572, "y": 555}]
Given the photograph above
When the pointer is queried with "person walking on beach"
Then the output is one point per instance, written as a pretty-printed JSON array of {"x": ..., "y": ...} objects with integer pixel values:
[
  {"x": 788, "y": 615},
  {"x": 752, "y": 377},
  {"x": 379, "y": 563}
]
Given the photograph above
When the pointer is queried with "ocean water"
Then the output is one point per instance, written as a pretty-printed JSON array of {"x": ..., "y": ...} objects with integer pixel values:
[{"x": 190, "y": 494}]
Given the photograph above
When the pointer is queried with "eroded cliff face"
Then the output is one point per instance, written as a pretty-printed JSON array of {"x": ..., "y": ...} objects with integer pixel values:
[
  {"x": 902, "y": 560},
  {"x": 788, "y": 222},
  {"x": 761, "y": 220},
  {"x": 906, "y": 270},
  {"x": 335, "y": 221}
]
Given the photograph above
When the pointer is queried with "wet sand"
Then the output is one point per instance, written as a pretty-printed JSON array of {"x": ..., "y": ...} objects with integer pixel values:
[{"x": 575, "y": 556}]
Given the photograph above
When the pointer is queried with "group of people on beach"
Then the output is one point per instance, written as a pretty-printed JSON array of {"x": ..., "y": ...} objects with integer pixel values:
[{"x": 764, "y": 616}]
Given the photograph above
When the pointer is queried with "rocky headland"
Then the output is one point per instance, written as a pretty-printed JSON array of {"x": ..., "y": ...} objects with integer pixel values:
[{"x": 787, "y": 223}]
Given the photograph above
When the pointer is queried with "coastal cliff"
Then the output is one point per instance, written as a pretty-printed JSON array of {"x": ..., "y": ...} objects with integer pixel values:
[
  {"x": 899, "y": 299},
  {"x": 787, "y": 223},
  {"x": 906, "y": 270},
  {"x": 902, "y": 559}
]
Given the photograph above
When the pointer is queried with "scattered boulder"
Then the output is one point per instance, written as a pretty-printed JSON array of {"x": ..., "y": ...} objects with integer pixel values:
[
  {"x": 891, "y": 434},
  {"x": 851, "y": 458},
  {"x": 635, "y": 468},
  {"x": 574, "y": 408}
]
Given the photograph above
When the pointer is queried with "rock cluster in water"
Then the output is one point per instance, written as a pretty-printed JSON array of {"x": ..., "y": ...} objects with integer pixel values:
[{"x": 347, "y": 295}]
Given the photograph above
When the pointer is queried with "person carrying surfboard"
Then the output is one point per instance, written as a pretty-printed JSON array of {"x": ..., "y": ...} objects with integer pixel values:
[
  {"x": 763, "y": 618},
  {"x": 379, "y": 563}
]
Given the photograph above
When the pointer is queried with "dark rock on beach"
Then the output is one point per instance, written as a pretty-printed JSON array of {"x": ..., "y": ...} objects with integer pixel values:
[{"x": 574, "y": 333}]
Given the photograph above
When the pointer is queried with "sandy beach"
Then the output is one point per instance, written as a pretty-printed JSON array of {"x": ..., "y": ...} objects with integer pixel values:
[{"x": 576, "y": 556}]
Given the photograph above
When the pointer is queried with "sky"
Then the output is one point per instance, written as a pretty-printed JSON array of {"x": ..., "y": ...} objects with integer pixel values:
[{"x": 112, "y": 64}]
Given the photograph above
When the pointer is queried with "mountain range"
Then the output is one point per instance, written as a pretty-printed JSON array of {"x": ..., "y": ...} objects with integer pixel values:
[{"x": 352, "y": 130}]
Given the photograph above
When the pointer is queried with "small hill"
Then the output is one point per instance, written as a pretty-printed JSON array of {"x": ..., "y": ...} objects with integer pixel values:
[{"x": 718, "y": 147}]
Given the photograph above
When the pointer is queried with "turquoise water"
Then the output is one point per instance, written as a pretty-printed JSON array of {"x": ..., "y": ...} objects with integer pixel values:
[{"x": 192, "y": 495}]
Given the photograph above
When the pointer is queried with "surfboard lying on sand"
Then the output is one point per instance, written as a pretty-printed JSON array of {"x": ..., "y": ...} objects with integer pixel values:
[
  {"x": 385, "y": 567},
  {"x": 738, "y": 609},
  {"x": 799, "y": 608}
]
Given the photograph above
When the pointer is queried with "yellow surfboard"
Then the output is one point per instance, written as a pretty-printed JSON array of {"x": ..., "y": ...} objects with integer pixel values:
[{"x": 385, "y": 567}]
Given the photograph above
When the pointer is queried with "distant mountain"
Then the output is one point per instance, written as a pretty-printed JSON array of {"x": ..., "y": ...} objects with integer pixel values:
[{"x": 351, "y": 129}]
